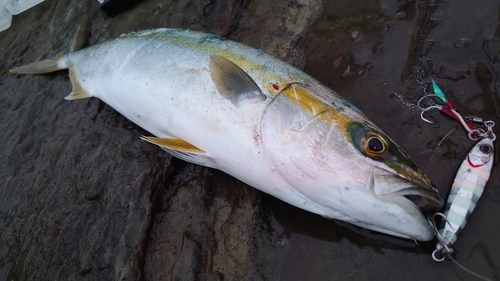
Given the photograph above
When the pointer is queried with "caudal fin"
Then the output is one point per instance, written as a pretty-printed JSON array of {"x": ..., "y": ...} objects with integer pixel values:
[
  {"x": 81, "y": 36},
  {"x": 60, "y": 61},
  {"x": 39, "y": 67}
]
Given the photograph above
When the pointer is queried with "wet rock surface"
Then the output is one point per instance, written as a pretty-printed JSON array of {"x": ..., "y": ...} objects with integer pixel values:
[{"x": 82, "y": 198}]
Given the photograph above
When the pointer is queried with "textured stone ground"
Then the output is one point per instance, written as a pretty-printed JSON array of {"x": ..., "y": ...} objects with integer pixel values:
[{"x": 82, "y": 198}]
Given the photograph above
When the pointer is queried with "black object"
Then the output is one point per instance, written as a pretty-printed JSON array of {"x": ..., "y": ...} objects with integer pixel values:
[{"x": 115, "y": 7}]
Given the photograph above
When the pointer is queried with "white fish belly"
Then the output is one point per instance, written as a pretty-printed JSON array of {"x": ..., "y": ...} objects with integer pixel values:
[
  {"x": 292, "y": 138},
  {"x": 168, "y": 91}
]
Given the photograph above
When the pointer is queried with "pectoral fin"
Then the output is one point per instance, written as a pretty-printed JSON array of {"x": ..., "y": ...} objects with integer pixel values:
[
  {"x": 232, "y": 82},
  {"x": 182, "y": 150}
]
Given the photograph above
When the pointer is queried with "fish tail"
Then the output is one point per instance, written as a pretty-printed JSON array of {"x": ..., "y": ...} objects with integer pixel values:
[
  {"x": 41, "y": 67},
  {"x": 60, "y": 62}
]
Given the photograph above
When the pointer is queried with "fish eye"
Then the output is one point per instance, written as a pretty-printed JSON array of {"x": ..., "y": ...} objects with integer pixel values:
[
  {"x": 486, "y": 148},
  {"x": 370, "y": 142},
  {"x": 375, "y": 145}
]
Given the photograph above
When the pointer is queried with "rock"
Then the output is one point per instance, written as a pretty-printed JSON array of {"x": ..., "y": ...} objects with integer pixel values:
[
  {"x": 462, "y": 43},
  {"x": 82, "y": 198}
]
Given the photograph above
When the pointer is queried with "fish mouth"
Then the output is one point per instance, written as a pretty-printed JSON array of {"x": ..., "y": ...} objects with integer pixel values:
[{"x": 425, "y": 197}]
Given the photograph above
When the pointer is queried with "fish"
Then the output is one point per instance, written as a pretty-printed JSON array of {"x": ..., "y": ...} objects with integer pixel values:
[
  {"x": 221, "y": 104},
  {"x": 466, "y": 190}
]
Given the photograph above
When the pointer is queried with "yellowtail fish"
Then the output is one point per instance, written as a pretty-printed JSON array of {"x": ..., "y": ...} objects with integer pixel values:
[
  {"x": 466, "y": 190},
  {"x": 221, "y": 104}
]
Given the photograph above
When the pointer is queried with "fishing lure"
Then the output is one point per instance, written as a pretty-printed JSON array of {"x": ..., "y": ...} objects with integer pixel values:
[
  {"x": 465, "y": 192},
  {"x": 471, "y": 177},
  {"x": 470, "y": 180}
]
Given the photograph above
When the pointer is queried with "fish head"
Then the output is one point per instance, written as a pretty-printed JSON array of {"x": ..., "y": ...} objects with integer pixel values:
[
  {"x": 340, "y": 165},
  {"x": 399, "y": 189}
]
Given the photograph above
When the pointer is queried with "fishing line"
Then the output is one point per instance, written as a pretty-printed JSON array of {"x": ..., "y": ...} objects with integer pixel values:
[
  {"x": 447, "y": 135},
  {"x": 448, "y": 252},
  {"x": 468, "y": 270}
]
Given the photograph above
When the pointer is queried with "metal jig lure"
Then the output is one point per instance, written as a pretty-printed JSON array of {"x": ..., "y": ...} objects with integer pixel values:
[
  {"x": 466, "y": 190},
  {"x": 469, "y": 182},
  {"x": 471, "y": 177}
]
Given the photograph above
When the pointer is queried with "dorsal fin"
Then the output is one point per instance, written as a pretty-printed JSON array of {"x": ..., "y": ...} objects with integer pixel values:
[
  {"x": 198, "y": 28},
  {"x": 232, "y": 82}
]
